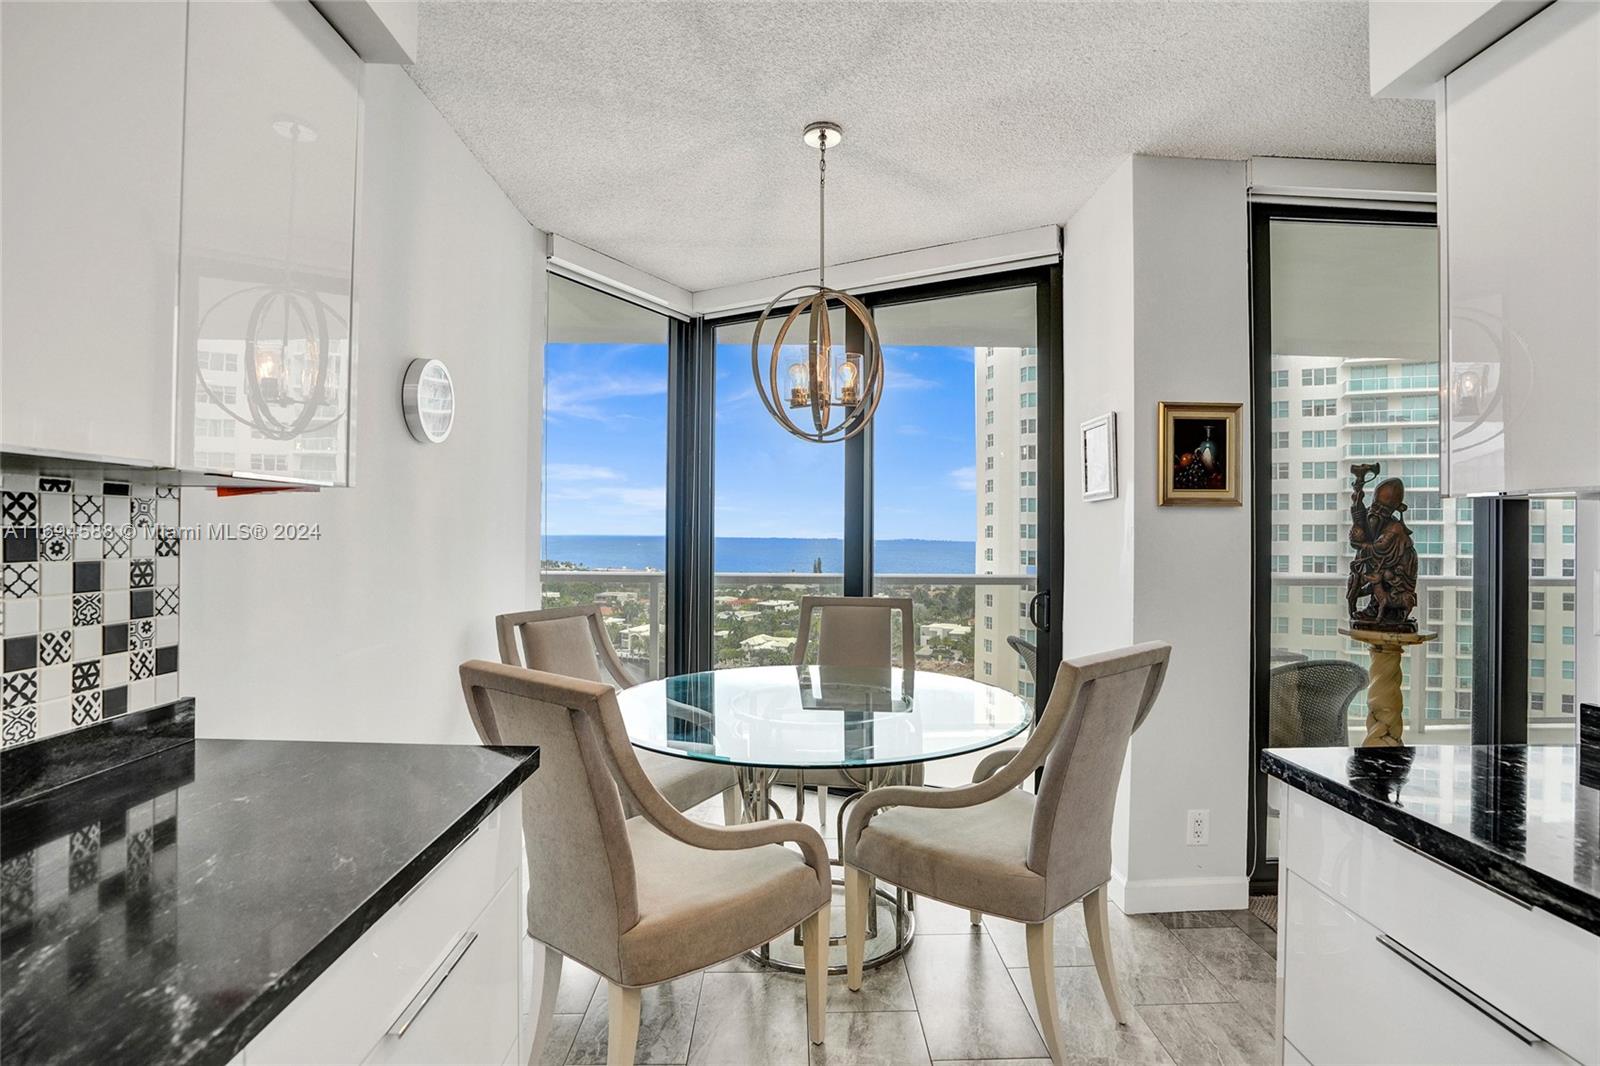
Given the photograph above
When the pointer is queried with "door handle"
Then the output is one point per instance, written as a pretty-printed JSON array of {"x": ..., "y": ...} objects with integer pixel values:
[
  {"x": 1039, "y": 611},
  {"x": 431, "y": 985},
  {"x": 1462, "y": 992}
]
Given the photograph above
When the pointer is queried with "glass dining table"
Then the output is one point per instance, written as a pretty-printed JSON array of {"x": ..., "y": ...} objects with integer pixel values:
[{"x": 867, "y": 726}]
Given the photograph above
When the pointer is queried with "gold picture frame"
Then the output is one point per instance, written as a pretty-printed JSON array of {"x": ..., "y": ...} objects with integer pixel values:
[{"x": 1198, "y": 455}]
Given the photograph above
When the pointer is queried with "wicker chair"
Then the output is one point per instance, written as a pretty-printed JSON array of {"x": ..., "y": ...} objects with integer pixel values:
[
  {"x": 1311, "y": 703},
  {"x": 1029, "y": 655}
]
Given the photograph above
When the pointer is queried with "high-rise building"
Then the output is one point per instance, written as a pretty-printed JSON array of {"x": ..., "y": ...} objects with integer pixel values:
[
  {"x": 1007, "y": 477},
  {"x": 1327, "y": 414}
]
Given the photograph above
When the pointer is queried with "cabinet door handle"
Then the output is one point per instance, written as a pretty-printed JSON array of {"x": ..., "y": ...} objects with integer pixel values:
[
  {"x": 431, "y": 985},
  {"x": 1462, "y": 992}
]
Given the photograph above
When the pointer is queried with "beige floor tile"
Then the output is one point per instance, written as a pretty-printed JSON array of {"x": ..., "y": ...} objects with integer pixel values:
[
  {"x": 666, "y": 1019},
  {"x": 1199, "y": 919},
  {"x": 1246, "y": 971},
  {"x": 751, "y": 1018},
  {"x": 1210, "y": 1033},
  {"x": 1090, "y": 1036},
  {"x": 1151, "y": 963},
  {"x": 558, "y": 1046},
  {"x": 875, "y": 1038},
  {"x": 886, "y": 988},
  {"x": 970, "y": 1008}
]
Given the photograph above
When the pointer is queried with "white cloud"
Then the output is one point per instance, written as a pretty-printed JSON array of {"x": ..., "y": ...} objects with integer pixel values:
[
  {"x": 965, "y": 478},
  {"x": 580, "y": 472},
  {"x": 584, "y": 395}
]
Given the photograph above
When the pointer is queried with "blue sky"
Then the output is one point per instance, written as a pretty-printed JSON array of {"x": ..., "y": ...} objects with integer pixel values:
[{"x": 605, "y": 448}]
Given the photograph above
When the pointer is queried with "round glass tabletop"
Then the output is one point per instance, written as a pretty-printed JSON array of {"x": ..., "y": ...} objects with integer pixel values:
[{"x": 819, "y": 717}]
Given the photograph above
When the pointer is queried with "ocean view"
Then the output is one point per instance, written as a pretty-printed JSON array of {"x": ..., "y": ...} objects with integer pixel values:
[{"x": 764, "y": 554}]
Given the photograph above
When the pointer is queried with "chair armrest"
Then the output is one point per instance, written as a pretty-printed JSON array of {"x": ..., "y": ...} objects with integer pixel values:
[
  {"x": 926, "y": 796},
  {"x": 673, "y": 822},
  {"x": 993, "y": 762}
]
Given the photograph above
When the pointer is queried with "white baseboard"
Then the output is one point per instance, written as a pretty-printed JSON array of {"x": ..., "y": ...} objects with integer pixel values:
[{"x": 1157, "y": 895}]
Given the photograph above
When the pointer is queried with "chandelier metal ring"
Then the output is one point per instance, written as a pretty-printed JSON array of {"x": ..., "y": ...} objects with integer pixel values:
[
  {"x": 819, "y": 393},
  {"x": 860, "y": 374}
]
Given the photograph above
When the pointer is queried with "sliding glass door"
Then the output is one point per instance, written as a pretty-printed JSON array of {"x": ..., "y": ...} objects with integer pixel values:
[{"x": 956, "y": 522}]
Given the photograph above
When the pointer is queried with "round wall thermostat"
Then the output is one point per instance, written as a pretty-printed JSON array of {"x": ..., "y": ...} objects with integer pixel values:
[{"x": 428, "y": 398}]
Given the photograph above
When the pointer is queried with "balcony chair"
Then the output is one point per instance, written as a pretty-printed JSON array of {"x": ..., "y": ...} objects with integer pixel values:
[
  {"x": 995, "y": 849},
  {"x": 852, "y": 631},
  {"x": 572, "y": 641},
  {"x": 647, "y": 899},
  {"x": 1310, "y": 703}
]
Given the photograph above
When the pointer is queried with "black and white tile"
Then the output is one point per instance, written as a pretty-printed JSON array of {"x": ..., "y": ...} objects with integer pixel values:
[{"x": 89, "y": 614}]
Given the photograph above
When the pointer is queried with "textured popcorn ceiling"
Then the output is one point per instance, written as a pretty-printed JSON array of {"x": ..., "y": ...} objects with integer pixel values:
[{"x": 667, "y": 134}]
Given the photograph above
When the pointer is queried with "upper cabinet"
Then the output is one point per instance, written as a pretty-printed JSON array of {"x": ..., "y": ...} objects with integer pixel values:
[
  {"x": 269, "y": 196},
  {"x": 226, "y": 350},
  {"x": 92, "y": 103},
  {"x": 1519, "y": 153}
]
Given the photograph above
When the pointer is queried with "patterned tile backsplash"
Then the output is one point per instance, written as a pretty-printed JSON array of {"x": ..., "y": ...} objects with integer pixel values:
[{"x": 89, "y": 618}]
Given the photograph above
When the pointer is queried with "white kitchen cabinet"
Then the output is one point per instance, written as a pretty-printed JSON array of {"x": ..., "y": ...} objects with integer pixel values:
[
  {"x": 93, "y": 116},
  {"x": 1520, "y": 223},
  {"x": 436, "y": 979},
  {"x": 1388, "y": 955},
  {"x": 269, "y": 189}
]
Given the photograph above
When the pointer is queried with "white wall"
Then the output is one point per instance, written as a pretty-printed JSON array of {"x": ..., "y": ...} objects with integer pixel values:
[
  {"x": 358, "y": 635},
  {"x": 1157, "y": 308}
]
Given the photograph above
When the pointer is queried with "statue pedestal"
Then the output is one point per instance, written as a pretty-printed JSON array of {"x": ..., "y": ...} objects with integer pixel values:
[{"x": 1385, "y": 702}]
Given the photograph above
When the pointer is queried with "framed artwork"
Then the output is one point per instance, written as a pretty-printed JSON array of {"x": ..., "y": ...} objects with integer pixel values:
[
  {"x": 1197, "y": 454},
  {"x": 1100, "y": 457}
]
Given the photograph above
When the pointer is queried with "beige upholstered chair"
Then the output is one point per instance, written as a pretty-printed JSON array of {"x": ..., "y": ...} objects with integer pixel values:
[
  {"x": 852, "y": 631},
  {"x": 573, "y": 641},
  {"x": 995, "y": 849},
  {"x": 647, "y": 899}
]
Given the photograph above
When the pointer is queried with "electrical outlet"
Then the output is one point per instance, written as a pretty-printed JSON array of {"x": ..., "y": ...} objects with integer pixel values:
[{"x": 1199, "y": 830}]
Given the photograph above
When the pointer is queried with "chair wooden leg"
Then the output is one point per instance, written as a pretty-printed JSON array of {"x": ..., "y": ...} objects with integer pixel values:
[
  {"x": 1094, "y": 917},
  {"x": 545, "y": 1010},
  {"x": 732, "y": 806},
  {"x": 975, "y": 917},
  {"x": 622, "y": 1009},
  {"x": 1042, "y": 972},
  {"x": 815, "y": 931},
  {"x": 822, "y": 809},
  {"x": 856, "y": 901}
]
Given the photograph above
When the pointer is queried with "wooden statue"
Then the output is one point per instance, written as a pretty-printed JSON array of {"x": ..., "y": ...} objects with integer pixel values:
[{"x": 1385, "y": 567}]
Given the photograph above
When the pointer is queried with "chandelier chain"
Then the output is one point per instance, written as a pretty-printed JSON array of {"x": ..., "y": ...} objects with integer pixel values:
[{"x": 822, "y": 212}]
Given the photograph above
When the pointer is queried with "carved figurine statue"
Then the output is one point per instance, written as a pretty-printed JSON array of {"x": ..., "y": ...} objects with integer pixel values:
[{"x": 1385, "y": 566}]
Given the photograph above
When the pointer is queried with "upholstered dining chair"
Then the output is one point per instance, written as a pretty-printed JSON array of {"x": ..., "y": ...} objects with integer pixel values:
[
  {"x": 573, "y": 641},
  {"x": 646, "y": 899},
  {"x": 851, "y": 631},
  {"x": 995, "y": 849}
]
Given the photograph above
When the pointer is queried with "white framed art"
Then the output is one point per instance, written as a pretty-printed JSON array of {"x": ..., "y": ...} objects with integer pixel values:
[{"x": 1100, "y": 457}]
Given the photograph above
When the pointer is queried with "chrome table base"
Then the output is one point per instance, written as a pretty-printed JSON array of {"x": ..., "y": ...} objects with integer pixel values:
[{"x": 892, "y": 920}]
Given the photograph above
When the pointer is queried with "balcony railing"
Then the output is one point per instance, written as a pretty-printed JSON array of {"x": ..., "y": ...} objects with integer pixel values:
[
  {"x": 1391, "y": 449},
  {"x": 1391, "y": 418},
  {"x": 755, "y": 614},
  {"x": 1397, "y": 383}
]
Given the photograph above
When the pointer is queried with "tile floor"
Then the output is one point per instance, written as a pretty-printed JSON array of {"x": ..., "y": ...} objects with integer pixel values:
[{"x": 1201, "y": 986}]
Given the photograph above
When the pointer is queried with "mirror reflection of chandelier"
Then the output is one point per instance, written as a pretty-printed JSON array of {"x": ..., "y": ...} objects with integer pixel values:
[
  {"x": 286, "y": 360},
  {"x": 842, "y": 390}
]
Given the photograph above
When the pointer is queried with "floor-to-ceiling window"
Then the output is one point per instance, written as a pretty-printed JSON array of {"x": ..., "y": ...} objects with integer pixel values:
[
  {"x": 605, "y": 465},
  {"x": 947, "y": 498},
  {"x": 778, "y": 511},
  {"x": 955, "y": 455}
]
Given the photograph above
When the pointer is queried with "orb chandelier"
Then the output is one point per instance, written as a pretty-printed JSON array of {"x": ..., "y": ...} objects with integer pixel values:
[{"x": 841, "y": 394}]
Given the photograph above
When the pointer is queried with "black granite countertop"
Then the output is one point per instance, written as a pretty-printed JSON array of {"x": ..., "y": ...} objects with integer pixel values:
[
  {"x": 165, "y": 910},
  {"x": 1512, "y": 816}
]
